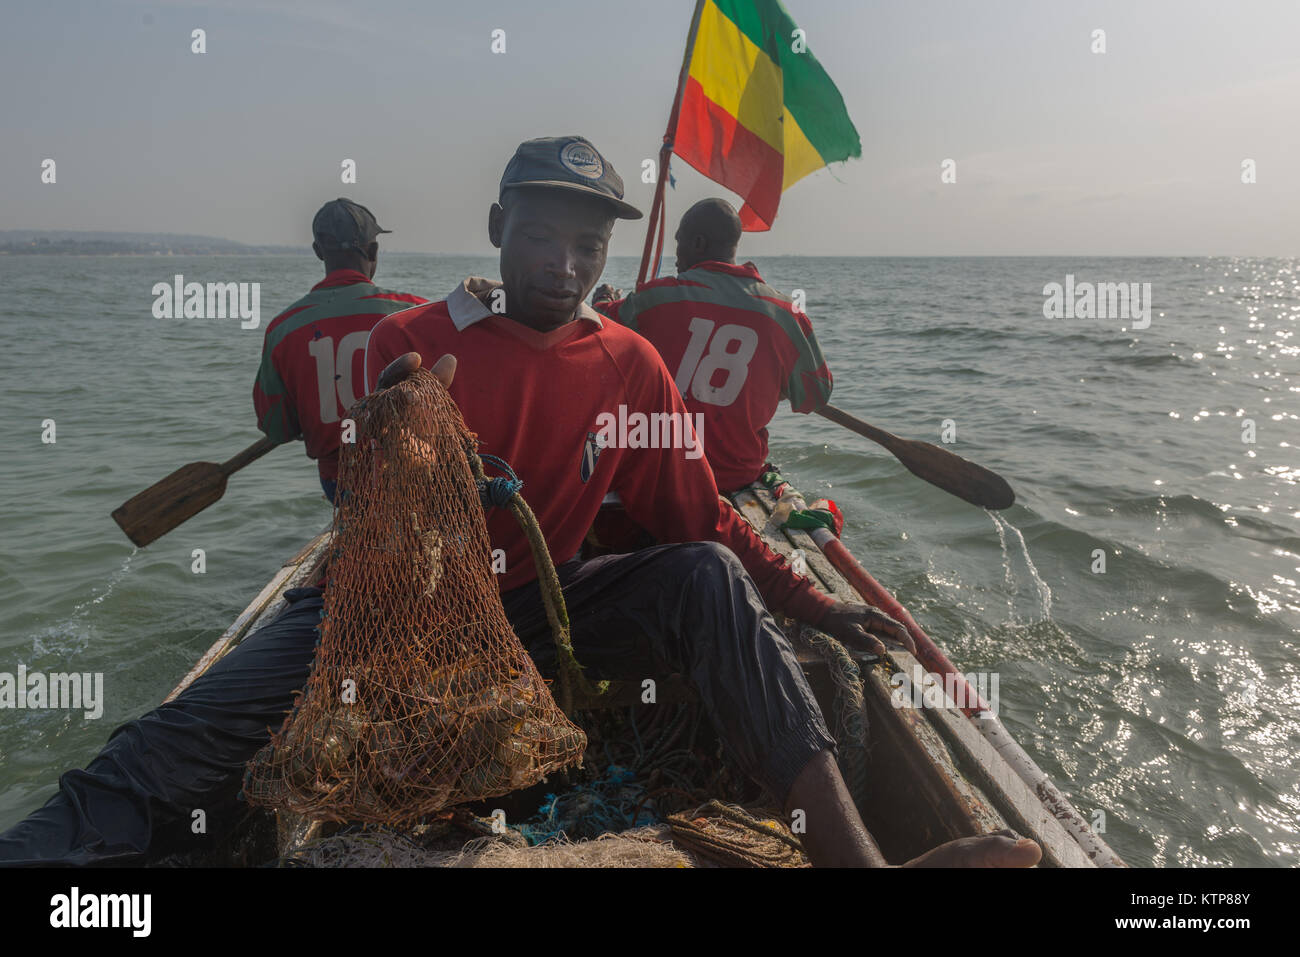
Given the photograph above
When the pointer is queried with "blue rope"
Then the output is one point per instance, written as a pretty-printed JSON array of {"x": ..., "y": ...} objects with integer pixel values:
[
  {"x": 497, "y": 492},
  {"x": 607, "y": 805}
]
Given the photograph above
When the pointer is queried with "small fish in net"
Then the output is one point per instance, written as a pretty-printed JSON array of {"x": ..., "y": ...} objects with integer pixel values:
[{"x": 421, "y": 695}]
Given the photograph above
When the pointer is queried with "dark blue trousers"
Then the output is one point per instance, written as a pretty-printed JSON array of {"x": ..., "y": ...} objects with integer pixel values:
[{"x": 688, "y": 609}]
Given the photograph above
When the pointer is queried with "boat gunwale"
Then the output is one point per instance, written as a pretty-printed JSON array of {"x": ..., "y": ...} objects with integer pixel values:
[
  {"x": 986, "y": 767},
  {"x": 268, "y": 602}
]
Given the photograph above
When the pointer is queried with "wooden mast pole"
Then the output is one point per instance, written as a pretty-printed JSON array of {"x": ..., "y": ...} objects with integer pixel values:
[{"x": 665, "y": 154}]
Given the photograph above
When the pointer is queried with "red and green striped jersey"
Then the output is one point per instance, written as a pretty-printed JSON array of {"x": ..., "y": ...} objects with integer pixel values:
[
  {"x": 313, "y": 362},
  {"x": 735, "y": 347}
]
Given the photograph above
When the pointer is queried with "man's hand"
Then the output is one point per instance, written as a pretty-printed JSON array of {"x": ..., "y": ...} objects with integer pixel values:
[
  {"x": 857, "y": 626},
  {"x": 444, "y": 370},
  {"x": 606, "y": 293}
]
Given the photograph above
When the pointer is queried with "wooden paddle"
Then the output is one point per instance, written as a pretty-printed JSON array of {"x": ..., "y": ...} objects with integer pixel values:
[
  {"x": 936, "y": 465},
  {"x": 181, "y": 495}
]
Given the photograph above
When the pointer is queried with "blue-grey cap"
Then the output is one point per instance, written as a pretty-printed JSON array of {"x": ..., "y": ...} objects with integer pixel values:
[
  {"x": 343, "y": 224},
  {"x": 567, "y": 162}
]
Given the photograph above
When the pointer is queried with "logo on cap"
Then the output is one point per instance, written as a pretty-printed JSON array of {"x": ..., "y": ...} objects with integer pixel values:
[{"x": 582, "y": 159}]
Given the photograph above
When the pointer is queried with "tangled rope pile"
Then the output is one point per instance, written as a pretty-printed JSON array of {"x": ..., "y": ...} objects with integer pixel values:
[
  {"x": 656, "y": 761},
  {"x": 732, "y": 837},
  {"x": 643, "y": 847}
]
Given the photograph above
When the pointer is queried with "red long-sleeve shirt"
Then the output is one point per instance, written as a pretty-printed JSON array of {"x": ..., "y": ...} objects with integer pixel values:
[{"x": 540, "y": 401}]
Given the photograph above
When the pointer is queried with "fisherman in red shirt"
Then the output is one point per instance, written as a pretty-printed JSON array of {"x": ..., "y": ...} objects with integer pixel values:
[
  {"x": 313, "y": 357},
  {"x": 559, "y": 394},
  {"x": 735, "y": 346}
]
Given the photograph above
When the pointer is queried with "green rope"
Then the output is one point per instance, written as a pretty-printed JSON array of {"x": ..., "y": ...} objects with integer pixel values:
[{"x": 570, "y": 670}]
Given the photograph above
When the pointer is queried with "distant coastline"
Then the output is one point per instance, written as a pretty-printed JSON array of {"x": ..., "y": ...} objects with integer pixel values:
[
  {"x": 67, "y": 242},
  {"x": 16, "y": 242}
]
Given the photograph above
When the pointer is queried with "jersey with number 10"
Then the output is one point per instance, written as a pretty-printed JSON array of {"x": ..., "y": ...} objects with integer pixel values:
[
  {"x": 735, "y": 347},
  {"x": 314, "y": 359}
]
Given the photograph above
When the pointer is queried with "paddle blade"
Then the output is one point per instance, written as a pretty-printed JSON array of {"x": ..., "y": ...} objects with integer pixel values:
[
  {"x": 952, "y": 473},
  {"x": 166, "y": 504}
]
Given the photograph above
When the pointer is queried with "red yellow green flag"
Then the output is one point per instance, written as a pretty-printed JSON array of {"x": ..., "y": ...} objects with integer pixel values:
[{"x": 757, "y": 111}]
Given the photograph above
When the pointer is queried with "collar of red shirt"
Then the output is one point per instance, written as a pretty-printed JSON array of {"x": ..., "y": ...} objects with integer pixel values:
[
  {"x": 749, "y": 270},
  {"x": 465, "y": 304},
  {"x": 341, "y": 277}
]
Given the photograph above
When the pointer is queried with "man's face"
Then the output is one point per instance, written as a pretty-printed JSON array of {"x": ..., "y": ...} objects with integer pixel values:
[{"x": 553, "y": 246}]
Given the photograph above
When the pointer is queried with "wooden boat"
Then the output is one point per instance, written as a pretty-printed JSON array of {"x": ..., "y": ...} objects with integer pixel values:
[{"x": 936, "y": 777}]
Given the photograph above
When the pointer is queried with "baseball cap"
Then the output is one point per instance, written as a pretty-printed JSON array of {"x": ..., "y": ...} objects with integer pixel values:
[
  {"x": 343, "y": 224},
  {"x": 567, "y": 162}
]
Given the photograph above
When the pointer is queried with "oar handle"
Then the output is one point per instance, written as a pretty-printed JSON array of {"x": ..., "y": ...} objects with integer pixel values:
[
  {"x": 250, "y": 454},
  {"x": 854, "y": 424}
]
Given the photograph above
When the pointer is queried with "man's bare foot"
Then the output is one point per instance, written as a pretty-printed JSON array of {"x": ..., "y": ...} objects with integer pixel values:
[{"x": 1000, "y": 849}]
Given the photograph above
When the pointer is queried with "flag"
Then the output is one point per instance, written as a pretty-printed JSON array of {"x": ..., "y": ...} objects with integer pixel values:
[{"x": 757, "y": 112}]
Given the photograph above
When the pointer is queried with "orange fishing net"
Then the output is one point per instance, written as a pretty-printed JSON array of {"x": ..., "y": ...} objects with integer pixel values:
[{"x": 421, "y": 695}]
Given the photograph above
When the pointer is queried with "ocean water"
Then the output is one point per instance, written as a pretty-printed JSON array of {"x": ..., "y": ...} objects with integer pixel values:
[{"x": 1163, "y": 692}]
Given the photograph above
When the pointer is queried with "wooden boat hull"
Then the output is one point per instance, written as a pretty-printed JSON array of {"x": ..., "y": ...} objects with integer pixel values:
[
  {"x": 933, "y": 777},
  {"x": 938, "y": 778}
]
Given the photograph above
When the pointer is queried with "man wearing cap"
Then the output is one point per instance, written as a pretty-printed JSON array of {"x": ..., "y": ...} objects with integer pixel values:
[
  {"x": 535, "y": 371},
  {"x": 736, "y": 346},
  {"x": 313, "y": 357}
]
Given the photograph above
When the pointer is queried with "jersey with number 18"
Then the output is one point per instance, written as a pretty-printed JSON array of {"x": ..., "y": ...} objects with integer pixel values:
[{"x": 735, "y": 347}]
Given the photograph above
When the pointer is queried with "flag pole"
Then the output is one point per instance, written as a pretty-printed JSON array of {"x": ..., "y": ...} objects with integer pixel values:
[{"x": 665, "y": 154}]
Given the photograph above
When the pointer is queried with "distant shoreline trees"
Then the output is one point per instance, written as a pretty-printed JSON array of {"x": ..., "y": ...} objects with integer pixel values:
[{"x": 128, "y": 245}]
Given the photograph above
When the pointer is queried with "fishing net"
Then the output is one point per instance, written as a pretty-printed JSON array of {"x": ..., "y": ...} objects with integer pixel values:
[{"x": 421, "y": 695}]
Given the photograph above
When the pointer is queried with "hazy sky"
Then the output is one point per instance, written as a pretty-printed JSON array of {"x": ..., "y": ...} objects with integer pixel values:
[{"x": 1058, "y": 150}]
